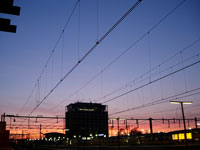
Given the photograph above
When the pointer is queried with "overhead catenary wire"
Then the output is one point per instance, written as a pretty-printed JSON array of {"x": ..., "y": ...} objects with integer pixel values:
[
  {"x": 97, "y": 18},
  {"x": 160, "y": 101},
  {"x": 153, "y": 81},
  {"x": 157, "y": 66},
  {"x": 51, "y": 53},
  {"x": 79, "y": 21},
  {"x": 131, "y": 83},
  {"x": 147, "y": 78},
  {"x": 169, "y": 68},
  {"x": 62, "y": 56},
  {"x": 124, "y": 52},
  {"x": 184, "y": 74},
  {"x": 87, "y": 53},
  {"x": 38, "y": 90},
  {"x": 170, "y": 110}
]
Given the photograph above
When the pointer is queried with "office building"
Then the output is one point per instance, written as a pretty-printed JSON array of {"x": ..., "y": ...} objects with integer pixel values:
[{"x": 86, "y": 120}]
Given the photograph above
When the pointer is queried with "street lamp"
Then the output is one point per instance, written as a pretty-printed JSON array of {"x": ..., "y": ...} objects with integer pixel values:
[{"x": 182, "y": 102}]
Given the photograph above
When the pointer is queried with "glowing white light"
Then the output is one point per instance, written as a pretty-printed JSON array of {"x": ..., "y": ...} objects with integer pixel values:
[
  {"x": 179, "y": 102},
  {"x": 83, "y": 138}
]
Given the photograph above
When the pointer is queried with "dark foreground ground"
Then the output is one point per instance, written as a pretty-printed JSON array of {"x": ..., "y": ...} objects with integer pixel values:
[{"x": 144, "y": 147}]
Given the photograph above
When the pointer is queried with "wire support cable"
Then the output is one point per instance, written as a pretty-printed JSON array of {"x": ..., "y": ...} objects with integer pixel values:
[
  {"x": 124, "y": 52},
  {"x": 51, "y": 54},
  {"x": 153, "y": 81},
  {"x": 88, "y": 52},
  {"x": 170, "y": 110},
  {"x": 155, "y": 74},
  {"x": 134, "y": 83},
  {"x": 154, "y": 68},
  {"x": 160, "y": 101}
]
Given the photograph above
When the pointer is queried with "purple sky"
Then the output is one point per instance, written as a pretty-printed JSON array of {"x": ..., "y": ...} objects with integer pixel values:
[{"x": 24, "y": 54}]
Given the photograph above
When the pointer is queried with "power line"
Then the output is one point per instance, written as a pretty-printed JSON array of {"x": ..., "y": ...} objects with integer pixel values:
[
  {"x": 79, "y": 20},
  {"x": 97, "y": 20},
  {"x": 163, "y": 100},
  {"x": 131, "y": 83},
  {"x": 124, "y": 52},
  {"x": 153, "y": 81},
  {"x": 88, "y": 52},
  {"x": 38, "y": 117},
  {"x": 170, "y": 110},
  {"x": 52, "y": 52}
]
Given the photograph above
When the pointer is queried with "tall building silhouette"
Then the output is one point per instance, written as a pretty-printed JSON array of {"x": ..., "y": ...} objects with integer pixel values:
[{"x": 86, "y": 120}]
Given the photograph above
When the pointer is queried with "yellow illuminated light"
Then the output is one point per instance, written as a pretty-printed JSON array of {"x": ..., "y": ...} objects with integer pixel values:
[
  {"x": 189, "y": 135},
  {"x": 181, "y": 136},
  {"x": 174, "y": 136}
]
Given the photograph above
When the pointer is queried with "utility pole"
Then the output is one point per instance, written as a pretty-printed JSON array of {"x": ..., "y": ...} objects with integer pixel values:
[
  {"x": 150, "y": 124},
  {"x": 127, "y": 127},
  {"x": 3, "y": 117},
  {"x": 195, "y": 119},
  {"x": 40, "y": 132},
  {"x": 22, "y": 134},
  {"x": 184, "y": 123},
  {"x": 151, "y": 128},
  {"x": 118, "y": 133},
  {"x": 137, "y": 123},
  {"x": 28, "y": 122}
]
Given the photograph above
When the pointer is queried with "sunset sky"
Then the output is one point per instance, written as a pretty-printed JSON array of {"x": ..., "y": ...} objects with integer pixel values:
[{"x": 168, "y": 39}]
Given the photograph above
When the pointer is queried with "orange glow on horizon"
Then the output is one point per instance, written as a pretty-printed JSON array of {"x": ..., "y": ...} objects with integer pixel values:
[{"x": 33, "y": 131}]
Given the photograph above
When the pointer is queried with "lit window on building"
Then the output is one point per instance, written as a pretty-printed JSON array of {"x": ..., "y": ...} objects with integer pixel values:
[
  {"x": 189, "y": 135},
  {"x": 181, "y": 136},
  {"x": 174, "y": 136}
]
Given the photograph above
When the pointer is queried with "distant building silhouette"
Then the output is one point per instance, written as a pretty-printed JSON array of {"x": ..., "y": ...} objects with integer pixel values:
[
  {"x": 4, "y": 134},
  {"x": 86, "y": 120}
]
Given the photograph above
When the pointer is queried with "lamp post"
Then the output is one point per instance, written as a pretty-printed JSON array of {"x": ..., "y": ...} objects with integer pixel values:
[{"x": 182, "y": 102}]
